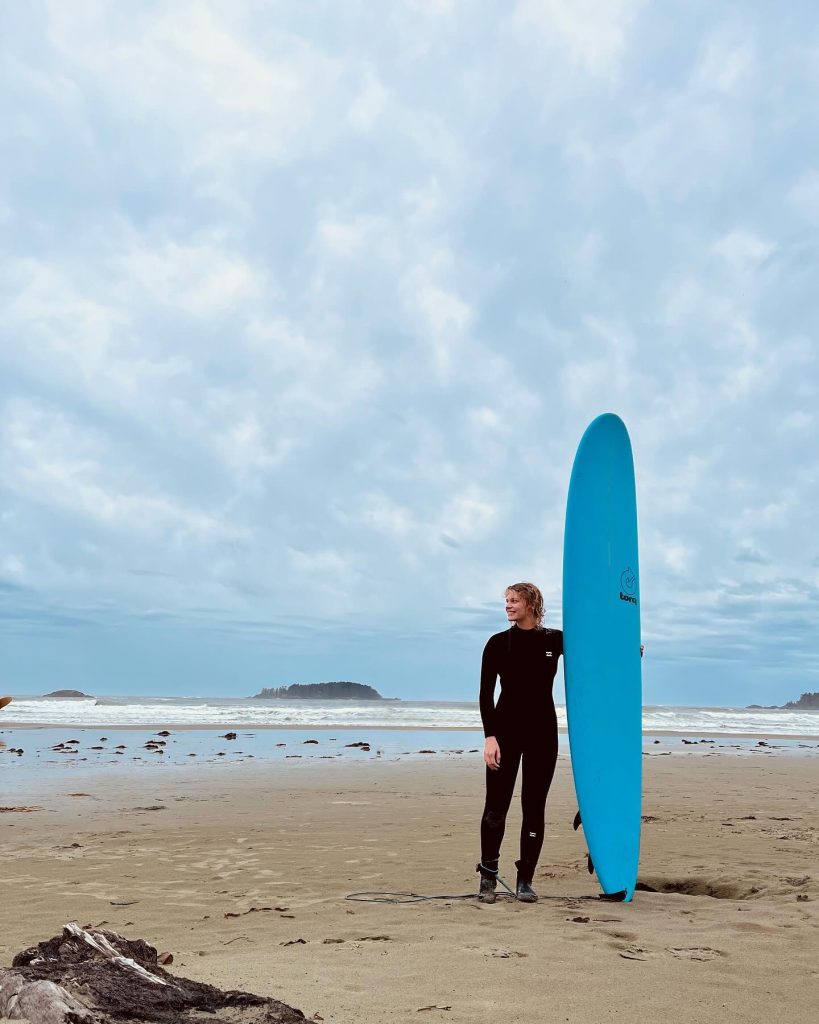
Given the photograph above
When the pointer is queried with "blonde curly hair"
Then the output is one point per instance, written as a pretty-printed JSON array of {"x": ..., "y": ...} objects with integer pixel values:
[{"x": 533, "y": 598}]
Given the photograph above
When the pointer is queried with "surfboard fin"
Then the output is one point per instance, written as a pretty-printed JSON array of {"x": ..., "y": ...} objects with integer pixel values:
[
  {"x": 613, "y": 897},
  {"x": 577, "y": 821},
  {"x": 589, "y": 864}
]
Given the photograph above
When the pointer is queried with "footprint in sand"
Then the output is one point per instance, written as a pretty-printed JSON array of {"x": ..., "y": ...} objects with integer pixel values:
[
  {"x": 695, "y": 952},
  {"x": 635, "y": 953},
  {"x": 503, "y": 954}
]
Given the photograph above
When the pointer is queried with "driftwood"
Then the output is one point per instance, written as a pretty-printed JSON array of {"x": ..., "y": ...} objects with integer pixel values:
[{"x": 94, "y": 976}]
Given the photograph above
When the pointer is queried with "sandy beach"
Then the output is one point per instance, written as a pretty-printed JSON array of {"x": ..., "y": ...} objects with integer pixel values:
[{"x": 242, "y": 872}]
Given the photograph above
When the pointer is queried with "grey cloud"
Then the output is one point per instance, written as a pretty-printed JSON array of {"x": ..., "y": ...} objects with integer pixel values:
[{"x": 336, "y": 353}]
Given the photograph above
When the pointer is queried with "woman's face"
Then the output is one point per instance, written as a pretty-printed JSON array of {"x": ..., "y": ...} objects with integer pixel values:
[{"x": 516, "y": 607}]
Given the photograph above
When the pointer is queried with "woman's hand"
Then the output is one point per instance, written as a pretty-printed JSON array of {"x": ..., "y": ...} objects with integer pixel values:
[{"x": 491, "y": 753}]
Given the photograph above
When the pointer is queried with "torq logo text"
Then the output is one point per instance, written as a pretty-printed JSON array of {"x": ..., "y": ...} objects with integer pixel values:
[{"x": 628, "y": 584}]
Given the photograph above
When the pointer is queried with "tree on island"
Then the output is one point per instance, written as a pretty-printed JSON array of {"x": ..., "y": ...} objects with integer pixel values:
[
  {"x": 807, "y": 700},
  {"x": 338, "y": 690}
]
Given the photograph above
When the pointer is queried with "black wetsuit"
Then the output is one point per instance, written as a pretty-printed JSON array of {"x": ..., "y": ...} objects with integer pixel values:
[{"x": 524, "y": 723}]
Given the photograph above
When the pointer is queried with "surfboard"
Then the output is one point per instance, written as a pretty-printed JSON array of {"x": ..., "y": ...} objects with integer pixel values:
[
  {"x": 601, "y": 642},
  {"x": 4, "y": 701}
]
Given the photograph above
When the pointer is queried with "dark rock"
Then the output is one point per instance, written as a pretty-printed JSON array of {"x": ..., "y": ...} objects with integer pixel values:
[
  {"x": 96, "y": 976},
  {"x": 68, "y": 693}
]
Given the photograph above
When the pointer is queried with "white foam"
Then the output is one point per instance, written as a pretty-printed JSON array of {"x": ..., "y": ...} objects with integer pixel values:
[{"x": 215, "y": 711}]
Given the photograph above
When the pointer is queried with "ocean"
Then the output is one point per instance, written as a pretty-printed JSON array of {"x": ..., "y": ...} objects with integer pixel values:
[{"x": 244, "y": 713}]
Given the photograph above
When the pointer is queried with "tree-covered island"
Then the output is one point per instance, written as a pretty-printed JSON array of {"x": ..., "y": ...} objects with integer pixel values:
[
  {"x": 338, "y": 690},
  {"x": 808, "y": 701}
]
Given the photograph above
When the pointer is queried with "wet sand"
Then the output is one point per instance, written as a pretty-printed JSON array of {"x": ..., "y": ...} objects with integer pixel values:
[{"x": 242, "y": 872}]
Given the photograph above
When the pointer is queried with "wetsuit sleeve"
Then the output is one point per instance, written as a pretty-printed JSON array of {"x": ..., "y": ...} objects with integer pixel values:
[
  {"x": 489, "y": 676},
  {"x": 559, "y": 642}
]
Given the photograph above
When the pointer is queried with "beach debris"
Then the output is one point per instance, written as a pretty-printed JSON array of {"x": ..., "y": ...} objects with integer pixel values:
[
  {"x": 163, "y": 732},
  {"x": 294, "y": 942},
  {"x": 581, "y": 920},
  {"x": 427, "y": 751},
  {"x": 433, "y": 1006},
  {"x": 358, "y": 743},
  {"x": 164, "y": 958},
  {"x": 95, "y": 976},
  {"x": 253, "y": 910},
  {"x": 18, "y": 810},
  {"x": 229, "y": 736},
  {"x": 506, "y": 954},
  {"x": 311, "y": 741}
]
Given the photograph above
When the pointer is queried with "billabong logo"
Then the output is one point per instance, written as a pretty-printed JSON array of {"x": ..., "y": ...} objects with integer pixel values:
[{"x": 628, "y": 585}]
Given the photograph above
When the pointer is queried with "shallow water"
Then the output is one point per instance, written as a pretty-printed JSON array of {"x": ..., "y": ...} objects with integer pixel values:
[{"x": 207, "y": 749}]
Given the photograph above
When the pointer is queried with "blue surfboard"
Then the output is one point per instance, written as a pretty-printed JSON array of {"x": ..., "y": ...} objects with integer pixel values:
[{"x": 601, "y": 641}]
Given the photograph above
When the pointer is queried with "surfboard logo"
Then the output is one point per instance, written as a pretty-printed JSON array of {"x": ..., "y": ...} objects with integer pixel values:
[{"x": 628, "y": 586}]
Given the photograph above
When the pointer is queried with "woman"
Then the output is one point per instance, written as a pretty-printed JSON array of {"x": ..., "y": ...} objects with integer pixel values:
[{"x": 521, "y": 729}]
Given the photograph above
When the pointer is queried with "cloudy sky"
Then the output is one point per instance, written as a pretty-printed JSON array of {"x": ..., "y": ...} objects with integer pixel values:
[{"x": 305, "y": 307}]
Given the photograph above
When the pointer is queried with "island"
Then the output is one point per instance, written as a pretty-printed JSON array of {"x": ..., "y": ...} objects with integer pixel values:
[
  {"x": 67, "y": 693},
  {"x": 807, "y": 702},
  {"x": 337, "y": 690}
]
